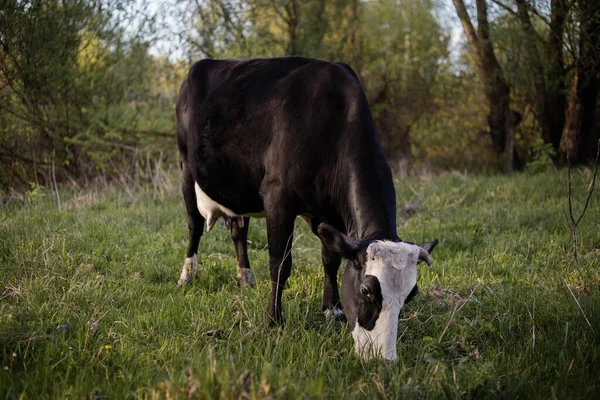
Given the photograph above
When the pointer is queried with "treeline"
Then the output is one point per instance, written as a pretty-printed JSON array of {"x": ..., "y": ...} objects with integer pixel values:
[
  {"x": 544, "y": 56},
  {"x": 83, "y": 94},
  {"x": 80, "y": 94}
]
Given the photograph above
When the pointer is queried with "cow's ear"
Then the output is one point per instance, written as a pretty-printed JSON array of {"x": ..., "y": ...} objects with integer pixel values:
[
  {"x": 429, "y": 246},
  {"x": 337, "y": 242}
]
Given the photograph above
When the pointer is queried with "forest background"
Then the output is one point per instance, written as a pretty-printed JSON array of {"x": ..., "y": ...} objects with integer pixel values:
[{"x": 88, "y": 87}]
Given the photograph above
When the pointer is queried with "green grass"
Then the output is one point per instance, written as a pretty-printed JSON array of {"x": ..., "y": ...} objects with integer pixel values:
[{"x": 89, "y": 307}]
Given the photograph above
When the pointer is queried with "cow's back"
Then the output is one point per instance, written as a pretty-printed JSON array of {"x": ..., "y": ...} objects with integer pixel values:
[
  {"x": 208, "y": 75},
  {"x": 289, "y": 121}
]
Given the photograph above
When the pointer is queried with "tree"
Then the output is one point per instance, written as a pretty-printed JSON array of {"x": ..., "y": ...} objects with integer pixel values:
[
  {"x": 562, "y": 50},
  {"x": 219, "y": 29},
  {"x": 547, "y": 70},
  {"x": 502, "y": 119},
  {"x": 405, "y": 49},
  {"x": 298, "y": 27},
  {"x": 579, "y": 138},
  {"x": 38, "y": 64},
  {"x": 73, "y": 82}
]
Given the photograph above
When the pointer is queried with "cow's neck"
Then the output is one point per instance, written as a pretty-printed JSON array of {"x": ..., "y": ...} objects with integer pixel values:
[{"x": 371, "y": 205}]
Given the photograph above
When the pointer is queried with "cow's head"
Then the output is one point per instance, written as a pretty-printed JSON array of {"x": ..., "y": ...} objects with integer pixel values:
[{"x": 377, "y": 282}]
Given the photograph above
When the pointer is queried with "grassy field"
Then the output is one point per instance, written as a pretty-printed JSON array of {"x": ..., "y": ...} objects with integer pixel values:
[{"x": 89, "y": 306}]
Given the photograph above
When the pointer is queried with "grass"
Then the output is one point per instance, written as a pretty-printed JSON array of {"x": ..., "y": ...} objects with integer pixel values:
[{"x": 89, "y": 306}]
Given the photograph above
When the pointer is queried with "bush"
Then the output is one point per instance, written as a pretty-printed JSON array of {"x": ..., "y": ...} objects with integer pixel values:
[{"x": 541, "y": 157}]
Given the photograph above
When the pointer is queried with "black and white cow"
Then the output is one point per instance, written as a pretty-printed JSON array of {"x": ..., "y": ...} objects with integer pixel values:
[{"x": 288, "y": 137}]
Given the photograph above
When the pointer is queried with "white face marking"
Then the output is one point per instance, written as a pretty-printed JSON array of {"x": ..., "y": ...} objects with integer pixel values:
[
  {"x": 189, "y": 271},
  {"x": 212, "y": 211},
  {"x": 395, "y": 267}
]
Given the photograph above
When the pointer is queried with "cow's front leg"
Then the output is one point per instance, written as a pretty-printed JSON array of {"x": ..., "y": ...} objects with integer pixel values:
[
  {"x": 195, "y": 228},
  {"x": 239, "y": 234},
  {"x": 331, "y": 295},
  {"x": 280, "y": 230}
]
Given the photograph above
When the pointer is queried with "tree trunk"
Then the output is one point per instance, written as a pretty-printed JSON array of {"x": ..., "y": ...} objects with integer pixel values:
[
  {"x": 502, "y": 120},
  {"x": 589, "y": 82},
  {"x": 579, "y": 137},
  {"x": 291, "y": 15},
  {"x": 589, "y": 134},
  {"x": 568, "y": 141},
  {"x": 512, "y": 159},
  {"x": 534, "y": 59},
  {"x": 556, "y": 98},
  {"x": 354, "y": 35}
]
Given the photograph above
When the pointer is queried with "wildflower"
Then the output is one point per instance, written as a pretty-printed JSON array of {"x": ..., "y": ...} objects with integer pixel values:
[{"x": 107, "y": 346}]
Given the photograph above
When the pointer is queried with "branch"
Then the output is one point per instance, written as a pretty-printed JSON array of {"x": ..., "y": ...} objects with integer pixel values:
[
  {"x": 531, "y": 8},
  {"x": 483, "y": 26},
  {"x": 528, "y": 7},
  {"x": 587, "y": 201},
  {"x": 275, "y": 8},
  {"x": 522, "y": 14},
  {"x": 505, "y": 7},
  {"x": 553, "y": 31},
  {"x": 465, "y": 20},
  {"x": 574, "y": 223},
  {"x": 11, "y": 155},
  {"x": 578, "y": 305},
  {"x": 457, "y": 309},
  {"x": 169, "y": 135}
]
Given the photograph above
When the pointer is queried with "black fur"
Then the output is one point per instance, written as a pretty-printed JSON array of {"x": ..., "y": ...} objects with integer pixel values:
[{"x": 286, "y": 136}]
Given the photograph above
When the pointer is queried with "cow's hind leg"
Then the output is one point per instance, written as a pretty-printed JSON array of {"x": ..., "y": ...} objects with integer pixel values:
[
  {"x": 239, "y": 234},
  {"x": 331, "y": 295},
  {"x": 195, "y": 227}
]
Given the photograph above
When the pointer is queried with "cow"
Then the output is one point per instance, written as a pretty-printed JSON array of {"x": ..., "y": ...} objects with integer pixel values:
[{"x": 291, "y": 136}]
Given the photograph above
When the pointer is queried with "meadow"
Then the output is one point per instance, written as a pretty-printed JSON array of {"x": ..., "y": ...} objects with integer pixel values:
[{"x": 89, "y": 306}]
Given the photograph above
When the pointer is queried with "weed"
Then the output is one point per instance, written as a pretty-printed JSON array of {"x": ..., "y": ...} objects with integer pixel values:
[{"x": 541, "y": 157}]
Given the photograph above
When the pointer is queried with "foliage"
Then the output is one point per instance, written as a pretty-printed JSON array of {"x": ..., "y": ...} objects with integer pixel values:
[
  {"x": 86, "y": 92},
  {"x": 452, "y": 135},
  {"x": 75, "y": 87},
  {"x": 406, "y": 49},
  {"x": 89, "y": 305},
  {"x": 541, "y": 156},
  {"x": 397, "y": 49}
]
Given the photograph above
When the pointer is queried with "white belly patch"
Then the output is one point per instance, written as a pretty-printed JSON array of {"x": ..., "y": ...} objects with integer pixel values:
[{"x": 212, "y": 211}]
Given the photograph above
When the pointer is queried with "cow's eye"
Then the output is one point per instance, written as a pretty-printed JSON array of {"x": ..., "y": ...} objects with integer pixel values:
[{"x": 366, "y": 293}]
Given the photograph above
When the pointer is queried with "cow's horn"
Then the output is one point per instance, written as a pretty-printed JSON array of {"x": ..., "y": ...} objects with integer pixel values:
[{"x": 424, "y": 256}]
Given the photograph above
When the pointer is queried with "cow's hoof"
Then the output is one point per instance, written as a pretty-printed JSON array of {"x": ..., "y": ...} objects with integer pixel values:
[
  {"x": 274, "y": 323},
  {"x": 245, "y": 277},
  {"x": 334, "y": 314},
  {"x": 275, "y": 319},
  {"x": 182, "y": 282},
  {"x": 189, "y": 271}
]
